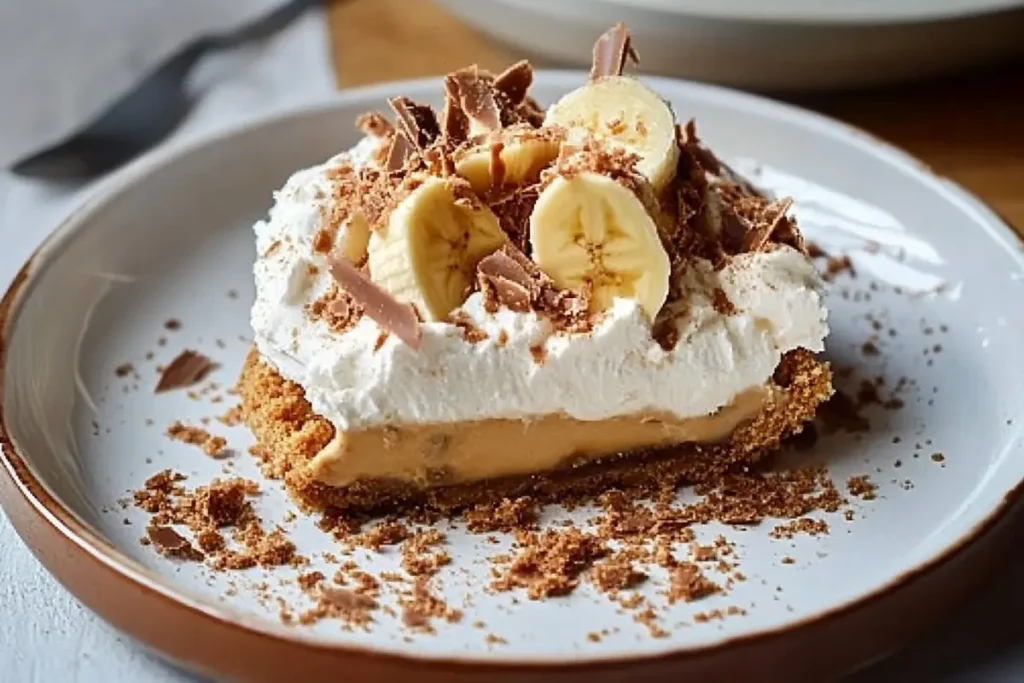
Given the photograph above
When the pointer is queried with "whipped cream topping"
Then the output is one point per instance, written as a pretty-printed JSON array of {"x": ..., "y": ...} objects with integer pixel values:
[{"x": 523, "y": 368}]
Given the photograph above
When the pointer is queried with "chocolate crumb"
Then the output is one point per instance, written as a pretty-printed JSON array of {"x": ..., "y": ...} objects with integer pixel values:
[
  {"x": 187, "y": 369},
  {"x": 648, "y": 618},
  {"x": 417, "y": 559},
  {"x": 837, "y": 265},
  {"x": 862, "y": 487},
  {"x": 422, "y": 605},
  {"x": 688, "y": 583},
  {"x": 722, "y": 304},
  {"x": 617, "y": 573},
  {"x": 213, "y": 446},
  {"x": 307, "y": 582},
  {"x": 232, "y": 417},
  {"x": 815, "y": 251},
  {"x": 805, "y": 525},
  {"x": 385, "y": 533},
  {"x": 508, "y": 515},
  {"x": 373, "y": 123},
  {"x": 338, "y": 603},
  {"x": 538, "y": 354},
  {"x": 323, "y": 241},
  {"x": 549, "y": 563},
  {"x": 169, "y": 542}
]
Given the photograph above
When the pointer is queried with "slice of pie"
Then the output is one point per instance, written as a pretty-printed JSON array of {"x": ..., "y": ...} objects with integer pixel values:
[{"x": 493, "y": 300}]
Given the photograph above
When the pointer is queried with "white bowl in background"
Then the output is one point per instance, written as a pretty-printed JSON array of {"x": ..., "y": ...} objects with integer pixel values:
[{"x": 766, "y": 44}]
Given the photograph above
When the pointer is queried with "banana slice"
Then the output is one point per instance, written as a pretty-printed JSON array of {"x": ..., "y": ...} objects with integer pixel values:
[
  {"x": 427, "y": 252},
  {"x": 622, "y": 111},
  {"x": 589, "y": 228},
  {"x": 354, "y": 239},
  {"x": 520, "y": 161}
]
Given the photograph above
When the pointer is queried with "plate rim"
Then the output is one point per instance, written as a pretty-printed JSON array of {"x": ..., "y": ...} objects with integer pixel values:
[{"x": 19, "y": 479}]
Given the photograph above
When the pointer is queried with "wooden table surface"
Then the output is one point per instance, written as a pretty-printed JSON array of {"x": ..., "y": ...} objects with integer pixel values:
[{"x": 969, "y": 128}]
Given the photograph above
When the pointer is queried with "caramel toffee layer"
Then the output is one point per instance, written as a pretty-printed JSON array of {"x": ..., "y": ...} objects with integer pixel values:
[{"x": 453, "y": 466}]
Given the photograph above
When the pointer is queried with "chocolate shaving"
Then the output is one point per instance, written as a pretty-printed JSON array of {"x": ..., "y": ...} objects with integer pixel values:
[
  {"x": 513, "y": 206},
  {"x": 515, "y": 82},
  {"x": 476, "y": 96},
  {"x": 511, "y": 282},
  {"x": 734, "y": 230},
  {"x": 455, "y": 123},
  {"x": 373, "y": 123},
  {"x": 531, "y": 112},
  {"x": 169, "y": 542},
  {"x": 417, "y": 121},
  {"x": 611, "y": 51},
  {"x": 395, "y": 317},
  {"x": 398, "y": 152},
  {"x": 187, "y": 369},
  {"x": 772, "y": 215},
  {"x": 340, "y": 307},
  {"x": 705, "y": 157}
]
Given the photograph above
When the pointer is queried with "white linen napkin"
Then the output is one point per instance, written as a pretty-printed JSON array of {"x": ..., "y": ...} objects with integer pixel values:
[
  {"x": 45, "y": 635},
  {"x": 63, "y": 61},
  {"x": 280, "y": 72}
]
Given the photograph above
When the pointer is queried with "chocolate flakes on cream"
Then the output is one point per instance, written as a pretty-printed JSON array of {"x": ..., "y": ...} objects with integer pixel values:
[
  {"x": 708, "y": 212},
  {"x": 556, "y": 258},
  {"x": 611, "y": 52},
  {"x": 399, "y": 319}
]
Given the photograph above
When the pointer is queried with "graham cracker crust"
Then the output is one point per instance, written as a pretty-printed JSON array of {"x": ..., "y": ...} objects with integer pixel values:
[{"x": 290, "y": 434}]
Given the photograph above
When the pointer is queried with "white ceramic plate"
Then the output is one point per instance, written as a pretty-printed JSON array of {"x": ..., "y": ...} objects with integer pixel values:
[
  {"x": 766, "y": 44},
  {"x": 171, "y": 238}
]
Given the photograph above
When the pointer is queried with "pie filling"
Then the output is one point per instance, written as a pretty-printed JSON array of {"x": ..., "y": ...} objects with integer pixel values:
[{"x": 443, "y": 454}]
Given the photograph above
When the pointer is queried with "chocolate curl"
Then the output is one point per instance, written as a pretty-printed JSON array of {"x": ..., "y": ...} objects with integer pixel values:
[
  {"x": 475, "y": 94},
  {"x": 187, "y": 369},
  {"x": 771, "y": 216},
  {"x": 395, "y": 317},
  {"x": 511, "y": 282},
  {"x": 531, "y": 112},
  {"x": 611, "y": 51},
  {"x": 515, "y": 82},
  {"x": 417, "y": 121},
  {"x": 455, "y": 123},
  {"x": 398, "y": 152},
  {"x": 687, "y": 136}
]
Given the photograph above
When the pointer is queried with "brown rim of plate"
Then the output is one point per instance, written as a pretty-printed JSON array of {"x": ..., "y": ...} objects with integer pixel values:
[{"x": 205, "y": 639}]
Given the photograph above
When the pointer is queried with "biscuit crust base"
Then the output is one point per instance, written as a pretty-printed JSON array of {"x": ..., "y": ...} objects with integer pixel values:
[{"x": 290, "y": 434}]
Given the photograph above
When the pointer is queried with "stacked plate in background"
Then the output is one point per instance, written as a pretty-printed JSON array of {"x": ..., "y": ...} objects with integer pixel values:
[{"x": 766, "y": 44}]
